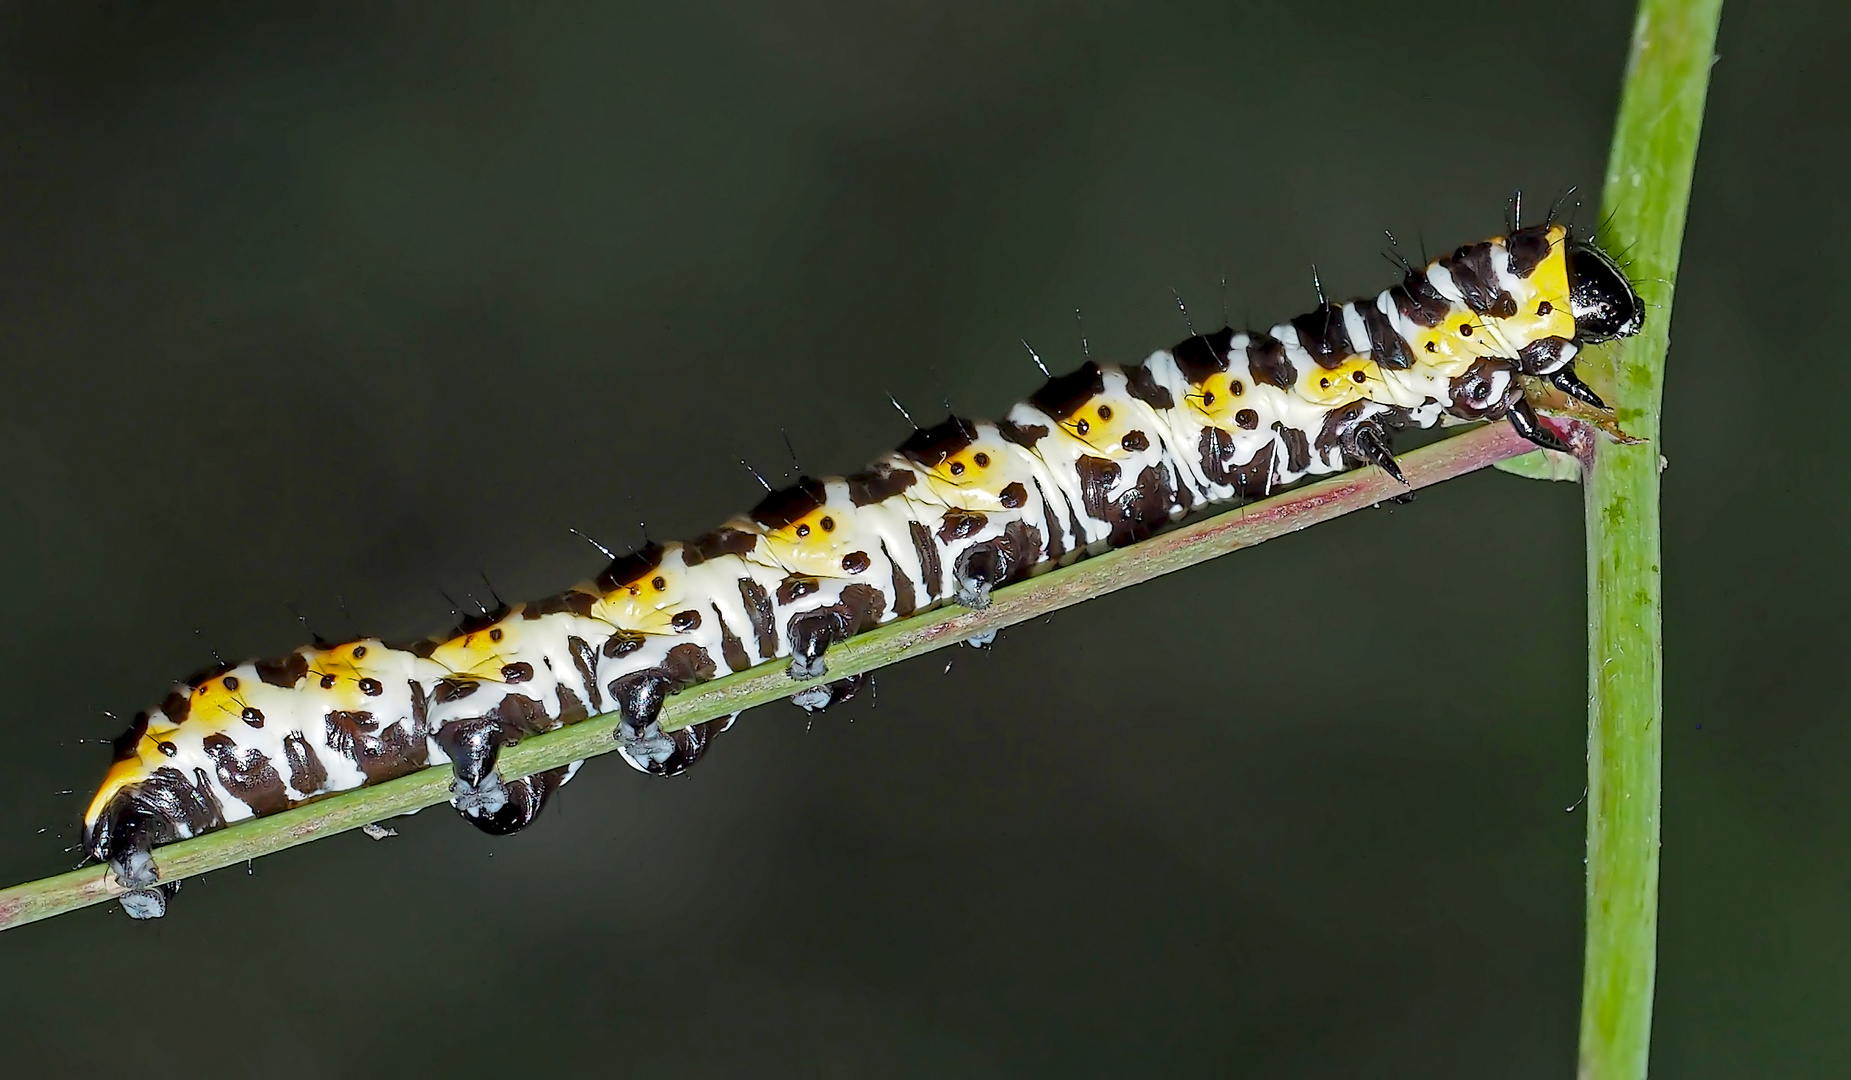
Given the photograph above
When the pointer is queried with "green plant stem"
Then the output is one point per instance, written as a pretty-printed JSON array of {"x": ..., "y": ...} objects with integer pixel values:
[
  {"x": 1646, "y": 193},
  {"x": 1114, "y": 570}
]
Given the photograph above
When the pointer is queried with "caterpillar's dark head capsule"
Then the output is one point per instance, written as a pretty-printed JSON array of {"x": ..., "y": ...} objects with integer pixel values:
[{"x": 1599, "y": 296}]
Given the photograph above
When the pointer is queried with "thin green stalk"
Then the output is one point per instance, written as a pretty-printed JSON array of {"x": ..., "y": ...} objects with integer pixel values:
[
  {"x": 1647, "y": 190},
  {"x": 1194, "y": 543}
]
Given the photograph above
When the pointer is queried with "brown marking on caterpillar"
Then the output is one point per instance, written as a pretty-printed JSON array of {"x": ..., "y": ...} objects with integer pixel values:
[
  {"x": 904, "y": 596},
  {"x": 1143, "y": 386},
  {"x": 1063, "y": 395},
  {"x": 758, "y": 608},
  {"x": 787, "y": 506},
  {"x": 380, "y": 755},
  {"x": 571, "y": 707},
  {"x": 1145, "y": 508},
  {"x": 1097, "y": 475},
  {"x": 622, "y": 643},
  {"x": 1216, "y": 450},
  {"x": 585, "y": 662},
  {"x": 878, "y": 483},
  {"x": 306, "y": 772},
  {"x": 1528, "y": 248},
  {"x": 177, "y": 704},
  {"x": 1267, "y": 361},
  {"x": 1543, "y": 356},
  {"x": 626, "y": 570},
  {"x": 796, "y": 587},
  {"x": 127, "y": 746},
  {"x": 1024, "y": 435},
  {"x": 960, "y": 524},
  {"x": 246, "y": 774},
  {"x": 1297, "y": 447},
  {"x": 517, "y": 715},
  {"x": 1419, "y": 302},
  {"x": 1055, "y": 545},
  {"x": 1476, "y": 278},
  {"x": 1200, "y": 357},
  {"x": 721, "y": 541},
  {"x": 1471, "y": 392},
  {"x": 570, "y": 602},
  {"x": 931, "y": 447},
  {"x": 164, "y": 807},
  {"x": 732, "y": 650},
  {"x": 1323, "y": 334},
  {"x": 931, "y": 570},
  {"x": 1386, "y": 347}
]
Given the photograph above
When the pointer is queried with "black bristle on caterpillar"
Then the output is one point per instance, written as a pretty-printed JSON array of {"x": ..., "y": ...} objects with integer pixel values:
[{"x": 1101, "y": 457}]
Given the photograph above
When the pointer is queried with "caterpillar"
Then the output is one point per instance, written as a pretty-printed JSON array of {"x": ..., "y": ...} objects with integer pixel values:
[{"x": 1101, "y": 457}]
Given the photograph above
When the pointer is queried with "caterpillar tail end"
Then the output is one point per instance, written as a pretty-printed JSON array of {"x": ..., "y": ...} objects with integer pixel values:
[{"x": 122, "y": 838}]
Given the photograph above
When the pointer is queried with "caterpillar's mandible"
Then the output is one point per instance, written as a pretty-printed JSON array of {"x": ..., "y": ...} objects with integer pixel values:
[{"x": 1101, "y": 457}]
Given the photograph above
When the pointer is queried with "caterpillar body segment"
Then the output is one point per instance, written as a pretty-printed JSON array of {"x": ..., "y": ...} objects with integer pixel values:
[{"x": 1101, "y": 457}]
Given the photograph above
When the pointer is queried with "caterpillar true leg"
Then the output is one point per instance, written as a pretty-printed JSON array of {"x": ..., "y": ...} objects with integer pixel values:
[
  {"x": 1569, "y": 383},
  {"x": 1530, "y": 426}
]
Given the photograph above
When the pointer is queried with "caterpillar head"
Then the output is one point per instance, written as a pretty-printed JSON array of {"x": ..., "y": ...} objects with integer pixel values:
[{"x": 1604, "y": 303}]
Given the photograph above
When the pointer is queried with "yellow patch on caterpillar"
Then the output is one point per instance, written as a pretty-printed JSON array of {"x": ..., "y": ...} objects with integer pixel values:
[
  {"x": 814, "y": 544},
  {"x": 645, "y": 606},
  {"x": 1453, "y": 346},
  {"x": 974, "y": 478},
  {"x": 1542, "y": 298},
  {"x": 1102, "y": 424},
  {"x": 1347, "y": 382},
  {"x": 1217, "y": 398},
  {"x": 477, "y": 654},
  {"x": 120, "y": 775}
]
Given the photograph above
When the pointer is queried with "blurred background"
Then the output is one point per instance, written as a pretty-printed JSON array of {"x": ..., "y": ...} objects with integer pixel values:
[{"x": 329, "y": 311}]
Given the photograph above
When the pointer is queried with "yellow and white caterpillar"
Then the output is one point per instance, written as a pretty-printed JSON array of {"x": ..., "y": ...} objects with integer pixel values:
[{"x": 1102, "y": 457}]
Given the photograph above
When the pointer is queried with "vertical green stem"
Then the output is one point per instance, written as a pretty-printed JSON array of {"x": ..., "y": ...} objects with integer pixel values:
[{"x": 1647, "y": 189}]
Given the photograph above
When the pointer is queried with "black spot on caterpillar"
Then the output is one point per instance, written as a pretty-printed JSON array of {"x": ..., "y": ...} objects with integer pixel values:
[{"x": 1103, "y": 457}]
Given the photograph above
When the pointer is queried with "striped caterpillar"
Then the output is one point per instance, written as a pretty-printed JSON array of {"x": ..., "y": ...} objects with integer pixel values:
[{"x": 1102, "y": 457}]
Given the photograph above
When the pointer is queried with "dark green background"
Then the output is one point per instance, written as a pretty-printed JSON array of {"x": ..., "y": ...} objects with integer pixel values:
[{"x": 327, "y": 312}]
